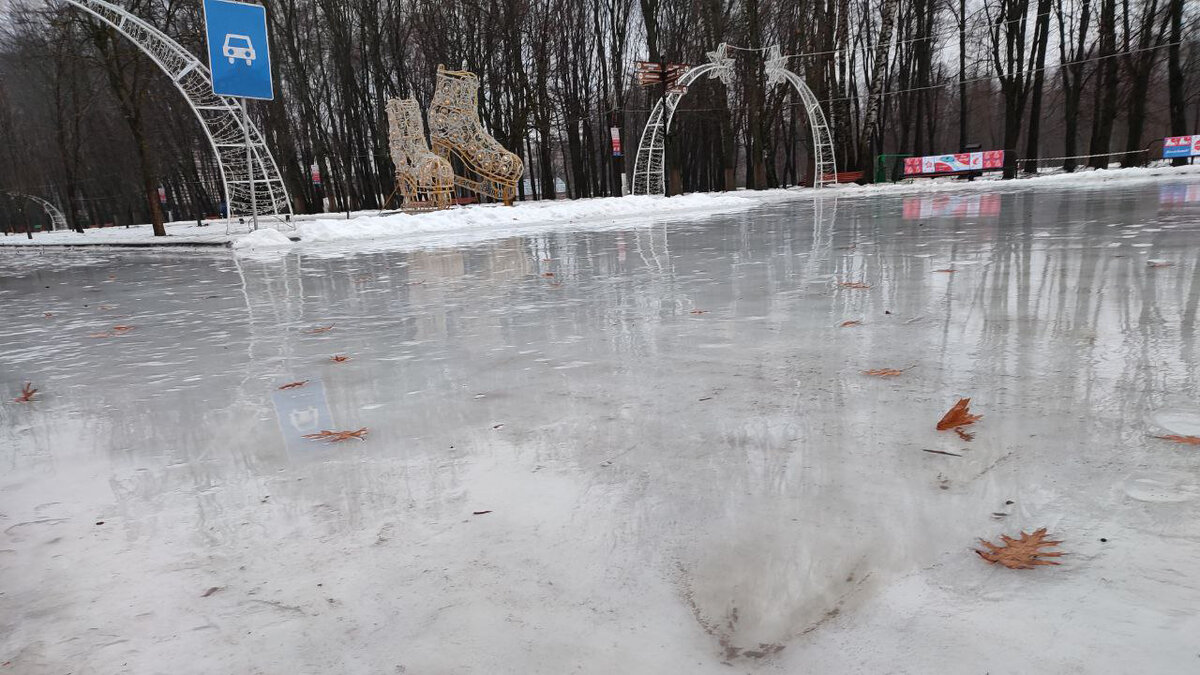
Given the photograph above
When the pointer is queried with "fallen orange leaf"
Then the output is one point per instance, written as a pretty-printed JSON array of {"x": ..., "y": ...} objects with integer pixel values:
[
  {"x": 847, "y": 324},
  {"x": 1021, "y": 554},
  {"x": 294, "y": 385},
  {"x": 549, "y": 275},
  {"x": 122, "y": 329},
  {"x": 318, "y": 330},
  {"x": 27, "y": 394},
  {"x": 884, "y": 372},
  {"x": 340, "y": 359},
  {"x": 338, "y": 436},
  {"x": 855, "y": 284},
  {"x": 958, "y": 416},
  {"x": 1188, "y": 440}
]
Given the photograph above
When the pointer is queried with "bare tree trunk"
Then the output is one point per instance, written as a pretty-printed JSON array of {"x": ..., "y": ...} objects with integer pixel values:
[
  {"x": 963, "y": 130},
  {"x": 1178, "y": 100},
  {"x": 1106, "y": 89},
  {"x": 1041, "y": 45},
  {"x": 869, "y": 142},
  {"x": 1008, "y": 56},
  {"x": 1072, "y": 37}
]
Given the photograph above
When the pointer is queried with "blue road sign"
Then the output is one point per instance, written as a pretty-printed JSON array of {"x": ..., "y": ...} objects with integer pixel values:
[{"x": 238, "y": 54}]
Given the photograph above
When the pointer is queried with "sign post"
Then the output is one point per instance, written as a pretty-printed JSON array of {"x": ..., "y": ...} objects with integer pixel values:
[{"x": 239, "y": 57}]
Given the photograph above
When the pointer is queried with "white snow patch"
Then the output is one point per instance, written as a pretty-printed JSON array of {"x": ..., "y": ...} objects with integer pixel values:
[
  {"x": 473, "y": 223},
  {"x": 264, "y": 238}
]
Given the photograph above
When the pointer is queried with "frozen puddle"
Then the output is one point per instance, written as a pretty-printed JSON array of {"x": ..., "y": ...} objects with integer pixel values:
[{"x": 642, "y": 448}]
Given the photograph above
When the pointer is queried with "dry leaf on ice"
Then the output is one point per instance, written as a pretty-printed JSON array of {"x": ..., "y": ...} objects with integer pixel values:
[
  {"x": 340, "y": 359},
  {"x": 1187, "y": 440},
  {"x": 318, "y": 330},
  {"x": 338, "y": 436},
  {"x": 294, "y": 385},
  {"x": 27, "y": 394},
  {"x": 958, "y": 416},
  {"x": 855, "y": 284},
  {"x": 1020, "y": 554},
  {"x": 883, "y": 372},
  {"x": 847, "y": 324}
]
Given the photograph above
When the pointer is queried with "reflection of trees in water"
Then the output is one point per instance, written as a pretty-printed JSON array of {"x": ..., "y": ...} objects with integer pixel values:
[{"x": 787, "y": 494}]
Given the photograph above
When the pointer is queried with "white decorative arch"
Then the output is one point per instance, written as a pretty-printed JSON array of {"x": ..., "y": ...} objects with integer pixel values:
[
  {"x": 649, "y": 176},
  {"x": 824, "y": 157},
  {"x": 648, "y": 169},
  {"x": 219, "y": 116},
  {"x": 58, "y": 221}
]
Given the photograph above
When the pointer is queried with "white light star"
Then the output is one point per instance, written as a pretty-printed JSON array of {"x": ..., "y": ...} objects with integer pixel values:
[
  {"x": 776, "y": 66},
  {"x": 723, "y": 63}
]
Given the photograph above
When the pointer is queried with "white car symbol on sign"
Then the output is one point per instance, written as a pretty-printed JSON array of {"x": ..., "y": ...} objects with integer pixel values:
[{"x": 239, "y": 47}]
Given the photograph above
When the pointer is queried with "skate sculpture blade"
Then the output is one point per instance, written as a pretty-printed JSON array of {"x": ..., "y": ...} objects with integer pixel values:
[
  {"x": 423, "y": 180},
  {"x": 456, "y": 132}
]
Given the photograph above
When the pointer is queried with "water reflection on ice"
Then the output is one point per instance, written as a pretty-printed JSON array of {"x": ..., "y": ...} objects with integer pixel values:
[{"x": 682, "y": 461}]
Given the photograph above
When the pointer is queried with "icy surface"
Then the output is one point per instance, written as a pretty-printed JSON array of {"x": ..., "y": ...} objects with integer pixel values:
[{"x": 681, "y": 463}]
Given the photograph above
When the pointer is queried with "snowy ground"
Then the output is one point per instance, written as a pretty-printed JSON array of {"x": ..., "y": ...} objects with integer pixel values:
[
  {"x": 456, "y": 225},
  {"x": 467, "y": 224},
  {"x": 683, "y": 468}
]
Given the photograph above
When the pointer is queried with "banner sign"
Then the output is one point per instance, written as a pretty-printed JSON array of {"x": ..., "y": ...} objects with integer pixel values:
[
  {"x": 316, "y": 174},
  {"x": 966, "y": 161},
  {"x": 1181, "y": 146}
]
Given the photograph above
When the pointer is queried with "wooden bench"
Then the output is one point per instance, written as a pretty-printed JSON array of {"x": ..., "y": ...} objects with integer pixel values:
[{"x": 843, "y": 177}]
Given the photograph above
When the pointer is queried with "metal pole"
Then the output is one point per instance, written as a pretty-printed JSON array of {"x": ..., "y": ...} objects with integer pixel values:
[{"x": 250, "y": 168}]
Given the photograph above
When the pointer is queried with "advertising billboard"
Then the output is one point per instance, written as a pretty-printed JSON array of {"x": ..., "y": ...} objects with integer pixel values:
[{"x": 956, "y": 163}]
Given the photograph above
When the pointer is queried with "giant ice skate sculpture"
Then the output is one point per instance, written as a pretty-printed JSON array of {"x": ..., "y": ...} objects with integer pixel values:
[
  {"x": 455, "y": 132},
  {"x": 423, "y": 179}
]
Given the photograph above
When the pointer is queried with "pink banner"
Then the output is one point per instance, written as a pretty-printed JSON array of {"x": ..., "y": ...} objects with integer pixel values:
[{"x": 957, "y": 163}]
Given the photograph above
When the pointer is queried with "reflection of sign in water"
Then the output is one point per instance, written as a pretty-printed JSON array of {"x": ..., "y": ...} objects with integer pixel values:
[
  {"x": 1178, "y": 195},
  {"x": 966, "y": 161},
  {"x": 1181, "y": 146},
  {"x": 301, "y": 411},
  {"x": 951, "y": 206}
]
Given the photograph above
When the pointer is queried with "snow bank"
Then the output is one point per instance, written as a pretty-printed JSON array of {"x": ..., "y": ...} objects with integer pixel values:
[
  {"x": 469, "y": 224},
  {"x": 1083, "y": 178},
  {"x": 494, "y": 220},
  {"x": 264, "y": 238}
]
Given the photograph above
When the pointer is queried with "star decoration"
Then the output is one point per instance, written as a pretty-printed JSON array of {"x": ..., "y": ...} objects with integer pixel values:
[
  {"x": 776, "y": 66},
  {"x": 723, "y": 63}
]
